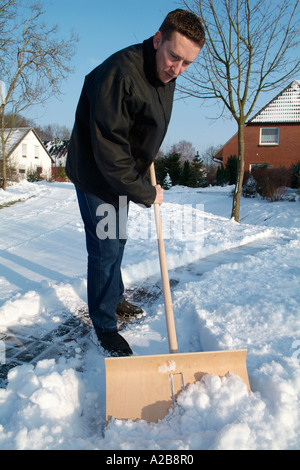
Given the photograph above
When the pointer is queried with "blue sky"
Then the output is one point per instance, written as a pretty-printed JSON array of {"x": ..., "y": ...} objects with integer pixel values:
[{"x": 105, "y": 26}]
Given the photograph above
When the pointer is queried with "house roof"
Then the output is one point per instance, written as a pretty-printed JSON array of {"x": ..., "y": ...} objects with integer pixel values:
[
  {"x": 15, "y": 136},
  {"x": 58, "y": 149},
  {"x": 285, "y": 107}
]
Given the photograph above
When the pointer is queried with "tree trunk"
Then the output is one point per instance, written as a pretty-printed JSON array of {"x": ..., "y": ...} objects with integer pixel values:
[
  {"x": 3, "y": 145},
  {"x": 240, "y": 173},
  {"x": 4, "y": 173}
]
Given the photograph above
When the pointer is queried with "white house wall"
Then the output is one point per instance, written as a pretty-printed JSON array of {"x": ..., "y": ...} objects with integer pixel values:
[{"x": 30, "y": 156}]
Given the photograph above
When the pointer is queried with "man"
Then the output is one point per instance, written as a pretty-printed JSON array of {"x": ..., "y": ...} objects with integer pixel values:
[{"x": 121, "y": 120}]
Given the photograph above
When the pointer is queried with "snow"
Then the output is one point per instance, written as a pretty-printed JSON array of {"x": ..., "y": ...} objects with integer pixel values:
[{"x": 234, "y": 285}]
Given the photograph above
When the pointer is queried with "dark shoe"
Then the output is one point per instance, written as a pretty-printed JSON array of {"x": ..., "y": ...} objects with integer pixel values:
[
  {"x": 129, "y": 311},
  {"x": 114, "y": 343}
]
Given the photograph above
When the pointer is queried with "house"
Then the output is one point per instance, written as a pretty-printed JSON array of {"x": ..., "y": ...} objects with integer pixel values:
[
  {"x": 58, "y": 149},
  {"x": 272, "y": 136},
  {"x": 25, "y": 153}
]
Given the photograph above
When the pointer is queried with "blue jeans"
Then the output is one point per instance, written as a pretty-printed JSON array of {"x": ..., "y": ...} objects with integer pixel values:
[{"x": 105, "y": 286}]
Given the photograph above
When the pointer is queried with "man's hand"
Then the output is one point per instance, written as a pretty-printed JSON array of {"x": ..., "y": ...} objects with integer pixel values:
[{"x": 159, "y": 195}]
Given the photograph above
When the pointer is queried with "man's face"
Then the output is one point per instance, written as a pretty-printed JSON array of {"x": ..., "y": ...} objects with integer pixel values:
[{"x": 174, "y": 56}]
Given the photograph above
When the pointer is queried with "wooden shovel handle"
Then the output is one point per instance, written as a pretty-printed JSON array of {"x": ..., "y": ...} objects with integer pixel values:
[{"x": 173, "y": 347}]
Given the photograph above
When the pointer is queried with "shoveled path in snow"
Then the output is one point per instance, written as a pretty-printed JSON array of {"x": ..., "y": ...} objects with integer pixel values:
[{"x": 25, "y": 345}]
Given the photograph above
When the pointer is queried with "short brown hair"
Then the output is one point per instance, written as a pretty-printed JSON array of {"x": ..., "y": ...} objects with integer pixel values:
[{"x": 184, "y": 22}]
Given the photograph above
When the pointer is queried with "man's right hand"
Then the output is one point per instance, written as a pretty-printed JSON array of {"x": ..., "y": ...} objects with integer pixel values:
[{"x": 159, "y": 195}]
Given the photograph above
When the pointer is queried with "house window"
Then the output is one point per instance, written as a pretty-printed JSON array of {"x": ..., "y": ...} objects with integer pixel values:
[
  {"x": 269, "y": 136},
  {"x": 258, "y": 166},
  {"x": 36, "y": 151},
  {"x": 24, "y": 150}
]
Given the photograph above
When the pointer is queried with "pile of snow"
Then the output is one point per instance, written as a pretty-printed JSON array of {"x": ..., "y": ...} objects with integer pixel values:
[
  {"x": 20, "y": 192},
  {"x": 234, "y": 286}
]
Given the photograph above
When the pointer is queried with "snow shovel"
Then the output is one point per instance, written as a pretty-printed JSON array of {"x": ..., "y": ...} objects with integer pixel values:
[{"x": 146, "y": 387}]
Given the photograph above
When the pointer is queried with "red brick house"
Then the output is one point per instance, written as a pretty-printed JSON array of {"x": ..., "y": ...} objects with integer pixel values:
[{"x": 272, "y": 136}]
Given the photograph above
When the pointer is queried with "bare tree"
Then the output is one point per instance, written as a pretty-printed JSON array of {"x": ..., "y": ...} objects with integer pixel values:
[
  {"x": 248, "y": 51},
  {"x": 209, "y": 153},
  {"x": 185, "y": 149},
  {"x": 53, "y": 132},
  {"x": 34, "y": 61}
]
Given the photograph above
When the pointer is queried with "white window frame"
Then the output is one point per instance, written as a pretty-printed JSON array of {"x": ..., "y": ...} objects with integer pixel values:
[
  {"x": 276, "y": 136},
  {"x": 256, "y": 166},
  {"x": 36, "y": 152},
  {"x": 24, "y": 150}
]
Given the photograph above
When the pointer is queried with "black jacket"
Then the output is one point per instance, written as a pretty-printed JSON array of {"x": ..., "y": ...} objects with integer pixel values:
[{"x": 121, "y": 120}]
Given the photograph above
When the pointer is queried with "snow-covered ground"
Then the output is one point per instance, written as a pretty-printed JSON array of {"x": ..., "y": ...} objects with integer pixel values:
[{"x": 233, "y": 286}]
